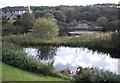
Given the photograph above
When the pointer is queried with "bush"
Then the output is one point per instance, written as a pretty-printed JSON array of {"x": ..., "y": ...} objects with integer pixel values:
[
  {"x": 45, "y": 28},
  {"x": 103, "y": 21},
  {"x": 106, "y": 76},
  {"x": 9, "y": 29},
  {"x": 17, "y": 23},
  {"x": 4, "y": 21},
  {"x": 95, "y": 75},
  {"x": 13, "y": 55},
  {"x": 83, "y": 74},
  {"x": 27, "y": 20}
]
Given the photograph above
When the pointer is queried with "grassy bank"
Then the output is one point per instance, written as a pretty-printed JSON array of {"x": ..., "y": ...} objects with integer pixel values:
[{"x": 10, "y": 73}]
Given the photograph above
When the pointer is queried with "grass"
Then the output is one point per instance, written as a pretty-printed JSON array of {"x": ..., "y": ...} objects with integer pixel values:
[
  {"x": 11, "y": 21},
  {"x": 10, "y": 73},
  {"x": 59, "y": 40},
  {"x": 100, "y": 41},
  {"x": 96, "y": 40}
]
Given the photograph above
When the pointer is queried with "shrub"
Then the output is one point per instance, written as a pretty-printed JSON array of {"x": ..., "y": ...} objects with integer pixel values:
[
  {"x": 4, "y": 21},
  {"x": 13, "y": 55},
  {"x": 95, "y": 75},
  {"x": 27, "y": 20},
  {"x": 17, "y": 23},
  {"x": 10, "y": 30},
  {"x": 103, "y": 21},
  {"x": 83, "y": 74},
  {"x": 106, "y": 76}
]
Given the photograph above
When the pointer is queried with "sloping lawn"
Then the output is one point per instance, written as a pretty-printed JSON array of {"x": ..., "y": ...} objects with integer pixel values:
[{"x": 10, "y": 73}]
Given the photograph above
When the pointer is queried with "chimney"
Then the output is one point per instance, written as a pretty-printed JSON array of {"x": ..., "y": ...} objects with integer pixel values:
[{"x": 30, "y": 11}]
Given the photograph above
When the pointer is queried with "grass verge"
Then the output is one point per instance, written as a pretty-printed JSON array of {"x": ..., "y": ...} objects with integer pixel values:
[{"x": 10, "y": 73}]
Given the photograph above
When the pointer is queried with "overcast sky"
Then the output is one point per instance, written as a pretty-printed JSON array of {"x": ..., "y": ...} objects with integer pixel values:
[{"x": 4, "y": 3}]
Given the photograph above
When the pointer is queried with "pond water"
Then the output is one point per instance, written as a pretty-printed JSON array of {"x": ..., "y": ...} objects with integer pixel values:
[
  {"x": 80, "y": 32},
  {"x": 72, "y": 57}
]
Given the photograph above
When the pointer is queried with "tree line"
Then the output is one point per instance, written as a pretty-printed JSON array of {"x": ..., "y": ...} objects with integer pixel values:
[{"x": 105, "y": 15}]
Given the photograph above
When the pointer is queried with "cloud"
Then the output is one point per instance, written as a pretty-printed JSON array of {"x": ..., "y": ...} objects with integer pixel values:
[
  {"x": 63, "y": 59},
  {"x": 30, "y": 51},
  {"x": 113, "y": 64}
]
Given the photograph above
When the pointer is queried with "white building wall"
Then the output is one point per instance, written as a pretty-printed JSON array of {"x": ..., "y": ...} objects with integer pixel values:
[
  {"x": 11, "y": 14},
  {"x": 17, "y": 12}
]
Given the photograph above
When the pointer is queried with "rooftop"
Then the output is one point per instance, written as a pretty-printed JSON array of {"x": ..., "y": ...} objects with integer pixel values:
[{"x": 17, "y": 8}]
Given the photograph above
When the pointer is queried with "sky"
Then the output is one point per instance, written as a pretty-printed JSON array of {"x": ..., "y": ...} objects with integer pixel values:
[{"x": 4, "y": 3}]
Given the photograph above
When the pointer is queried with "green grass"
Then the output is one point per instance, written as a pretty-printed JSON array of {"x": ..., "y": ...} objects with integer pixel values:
[
  {"x": 10, "y": 73},
  {"x": 11, "y": 21}
]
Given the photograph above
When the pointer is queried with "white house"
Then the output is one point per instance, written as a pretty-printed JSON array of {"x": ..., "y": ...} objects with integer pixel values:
[{"x": 12, "y": 12}]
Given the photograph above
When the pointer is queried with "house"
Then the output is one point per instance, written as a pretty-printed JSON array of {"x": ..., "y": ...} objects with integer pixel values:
[{"x": 12, "y": 12}]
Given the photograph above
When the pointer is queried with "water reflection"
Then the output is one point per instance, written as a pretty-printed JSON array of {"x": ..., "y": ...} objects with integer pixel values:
[
  {"x": 43, "y": 53},
  {"x": 73, "y": 57}
]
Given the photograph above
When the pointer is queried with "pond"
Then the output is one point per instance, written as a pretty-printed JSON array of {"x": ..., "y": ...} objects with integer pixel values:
[
  {"x": 80, "y": 32},
  {"x": 72, "y": 57}
]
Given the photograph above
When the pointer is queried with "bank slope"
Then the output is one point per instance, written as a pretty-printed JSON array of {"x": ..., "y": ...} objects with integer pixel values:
[{"x": 10, "y": 73}]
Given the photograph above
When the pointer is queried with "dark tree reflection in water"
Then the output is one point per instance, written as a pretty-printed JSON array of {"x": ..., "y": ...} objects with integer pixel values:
[{"x": 46, "y": 52}]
